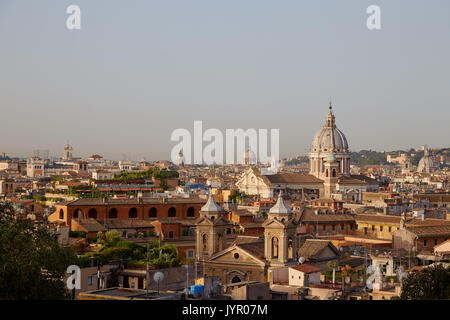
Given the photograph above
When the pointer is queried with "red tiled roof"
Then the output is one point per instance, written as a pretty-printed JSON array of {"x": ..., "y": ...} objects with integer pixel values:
[{"x": 306, "y": 268}]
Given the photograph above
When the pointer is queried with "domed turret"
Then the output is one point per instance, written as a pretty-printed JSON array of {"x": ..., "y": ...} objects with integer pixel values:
[
  {"x": 280, "y": 208},
  {"x": 331, "y": 157}
]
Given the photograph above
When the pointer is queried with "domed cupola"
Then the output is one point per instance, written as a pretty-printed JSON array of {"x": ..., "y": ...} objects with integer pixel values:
[
  {"x": 280, "y": 209},
  {"x": 211, "y": 209},
  {"x": 329, "y": 139}
]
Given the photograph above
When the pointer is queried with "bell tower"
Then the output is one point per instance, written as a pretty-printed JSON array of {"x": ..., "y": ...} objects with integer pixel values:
[
  {"x": 211, "y": 230},
  {"x": 280, "y": 235},
  {"x": 331, "y": 178}
]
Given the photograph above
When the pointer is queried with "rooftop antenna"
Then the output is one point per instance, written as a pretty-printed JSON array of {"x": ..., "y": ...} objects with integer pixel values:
[{"x": 158, "y": 277}]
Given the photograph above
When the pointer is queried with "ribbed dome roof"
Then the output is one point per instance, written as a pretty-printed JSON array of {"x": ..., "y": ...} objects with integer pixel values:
[
  {"x": 329, "y": 138},
  {"x": 280, "y": 207},
  {"x": 426, "y": 164}
]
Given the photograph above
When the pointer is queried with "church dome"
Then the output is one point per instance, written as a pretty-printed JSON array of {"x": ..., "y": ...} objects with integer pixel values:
[
  {"x": 426, "y": 163},
  {"x": 249, "y": 157},
  {"x": 329, "y": 138}
]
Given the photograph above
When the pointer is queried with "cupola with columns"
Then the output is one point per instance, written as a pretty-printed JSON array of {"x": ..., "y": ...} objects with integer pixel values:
[
  {"x": 329, "y": 139},
  {"x": 211, "y": 229},
  {"x": 280, "y": 235}
]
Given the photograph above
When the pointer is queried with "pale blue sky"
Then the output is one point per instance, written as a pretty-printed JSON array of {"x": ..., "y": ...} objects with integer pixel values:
[{"x": 140, "y": 69}]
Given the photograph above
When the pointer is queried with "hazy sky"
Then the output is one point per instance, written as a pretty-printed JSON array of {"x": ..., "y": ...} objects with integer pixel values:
[{"x": 137, "y": 70}]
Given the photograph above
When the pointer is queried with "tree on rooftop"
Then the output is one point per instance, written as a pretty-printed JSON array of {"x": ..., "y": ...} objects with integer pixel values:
[{"x": 32, "y": 265}]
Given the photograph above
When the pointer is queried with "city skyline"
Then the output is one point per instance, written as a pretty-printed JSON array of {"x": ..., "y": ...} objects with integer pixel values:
[{"x": 133, "y": 74}]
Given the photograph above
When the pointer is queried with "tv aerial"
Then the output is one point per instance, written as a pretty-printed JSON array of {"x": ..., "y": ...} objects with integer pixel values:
[{"x": 158, "y": 277}]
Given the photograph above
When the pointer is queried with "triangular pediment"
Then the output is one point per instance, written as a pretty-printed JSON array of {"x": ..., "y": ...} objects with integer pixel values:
[
  {"x": 229, "y": 256},
  {"x": 204, "y": 221},
  {"x": 212, "y": 222}
]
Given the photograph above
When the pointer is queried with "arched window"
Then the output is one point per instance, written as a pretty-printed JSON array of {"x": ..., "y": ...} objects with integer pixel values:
[
  {"x": 235, "y": 280},
  {"x": 152, "y": 212},
  {"x": 290, "y": 249},
  {"x": 274, "y": 247},
  {"x": 219, "y": 242},
  {"x": 190, "y": 212},
  {"x": 172, "y": 212},
  {"x": 61, "y": 214},
  {"x": 204, "y": 240},
  {"x": 92, "y": 213},
  {"x": 76, "y": 213},
  {"x": 112, "y": 213},
  {"x": 132, "y": 213}
]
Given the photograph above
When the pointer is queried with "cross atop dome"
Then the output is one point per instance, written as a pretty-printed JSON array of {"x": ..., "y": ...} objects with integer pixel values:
[{"x": 330, "y": 120}]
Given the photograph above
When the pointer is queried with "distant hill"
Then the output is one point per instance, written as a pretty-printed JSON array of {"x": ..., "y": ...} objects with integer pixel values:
[{"x": 369, "y": 157}]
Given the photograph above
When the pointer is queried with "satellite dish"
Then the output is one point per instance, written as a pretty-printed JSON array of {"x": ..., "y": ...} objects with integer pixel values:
[
  {"x": 158, "y": 277},
  {"x": 301, "y": 260}
]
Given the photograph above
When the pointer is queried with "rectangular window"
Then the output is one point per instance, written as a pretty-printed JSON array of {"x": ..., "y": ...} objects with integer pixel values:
[
  {"x": 333, "y": 227},
  {"x": 381, "y": 228},
  {"x": 390, "y": 228},
  {"x": 190, "y": 254},
  {"x": 89, "y": 281},
  {"x": 435, "y": 242},
  {"x": 170, "y": 234},
  {"x": 425, "y": 243},
  {"x": 324, "y": 227}
]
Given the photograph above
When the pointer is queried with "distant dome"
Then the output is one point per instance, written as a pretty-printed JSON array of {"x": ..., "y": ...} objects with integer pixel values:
[
  {"x": 329, "y": 138},
  {"x": 249, "y": 157},
  {"x": 180, "y": 158},
  {"x": 426, "y": 164}
]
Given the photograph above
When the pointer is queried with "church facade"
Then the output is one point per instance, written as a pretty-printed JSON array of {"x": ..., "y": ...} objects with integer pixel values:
[
  {"x": 247, "y": 258},
  {"x": 329, "y": 174}
]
